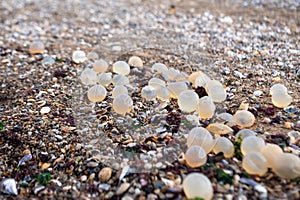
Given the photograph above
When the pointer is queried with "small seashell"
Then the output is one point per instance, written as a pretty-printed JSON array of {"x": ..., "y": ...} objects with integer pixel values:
[{"x": 219, "y": 129}]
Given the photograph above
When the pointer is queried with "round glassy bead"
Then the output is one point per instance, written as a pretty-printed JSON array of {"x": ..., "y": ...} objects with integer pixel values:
[
  {"x": 176, "y": 88},
  {"x": 201, "y": 137},
  {"x": 188, "y": 100},
  {"x": 105, "y": 78},
  {"x": 255, "y": 163},
  {"x": 135, "y": 61},
  {"x": 36, "y": 47},
  {"x": 205, "y": 107},
  {"x": 88, "y": 77},
  {"x": 287, "y": 165},
  {"x": 79, "y": 56},
  {"x": 191, "y": 184},
  {"x": 119, "y": 89},
  {"x": 121, "y": 67},
  {"x": 223, "y": 144},
  {"x": 252, "y": 143},
  {"x": 159, "y": 68},
  {"x": 100, "y": 66},
  {"x": 244, "y": 118},
  {"x": 122, "y": 104},
  {"x": 148, "y": 92},
  {"x": 195, "y": 156},
  {"x": 96, "y": 93}
]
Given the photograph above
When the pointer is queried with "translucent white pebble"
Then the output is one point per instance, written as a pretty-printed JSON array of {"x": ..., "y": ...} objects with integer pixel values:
[
  {"x": 255, "y": 163},
  {"x": 163, "y": 93},
  {"x": 201, "y": 80},
  {"x": 252, "y": 143},
  {"x": 79, "y": 56},
  {"x": 223, "y": 144},
  {"x": 121, "y": 67},
  {"x": 219, "y": 129},
  {"x": 191, "y": 184},
  {"x": 215, "y": 90},
  {"x": 119, "y": 89},
  {"x": 201, "y": 137},
  {"x": 195, "y": 156},
  {"x": 36, "y": 47},
  {"x": 120, "y": 80},
  {"x": 244, "y": 133},
  {"x": 226, "y": 118},
  {"x": 281, "y": 100},
  {"x": 206, "y": 107},
  {"x": 188, "y": 100},
  {"x": 171, "y": 74},
  {"x": 122, "y": 104},
  {"x": 92, "y": 55},
  {"x": 156, "y": 82},
  {"x": 100, "y": 66},
  {"x": 135, "y": 61},
  {"x": 148, "y": 92},
  {"x": 96, "y": 93},
  {"x": 278, "y": 88},
  {"x": 88, "y": 77},
  {"x": 181, "y": 77},
  {"x": 244, "y": 118},
  {"x": 105, "y": 78},
  {"x": 287, "y": 165},
  {"x": 192, "y": 77},
  {"x": 159, "y": 68},
  {"x": 176, "y": 88},
  {"x": 270, "y": 152}
]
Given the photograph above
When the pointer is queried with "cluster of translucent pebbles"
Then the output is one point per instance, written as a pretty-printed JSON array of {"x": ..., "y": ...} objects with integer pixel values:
[
  {"x": 258, "y": 156},
  {"x": 280, "y": 96}
]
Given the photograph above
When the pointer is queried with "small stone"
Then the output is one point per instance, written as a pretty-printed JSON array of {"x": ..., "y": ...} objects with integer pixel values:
[
  {"x": 45, "y": 165},
  {"x": 124, "y": 187},
  {"x": 257, "y": 93},
  {"x": 83, "y": 178},
  {"x": 45, "y": 110},
  {"x": 48, "y": 61},
  {"x": 8, "y": 186},
  {"x": 105, "y": 174}
]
